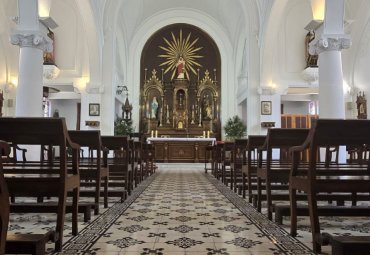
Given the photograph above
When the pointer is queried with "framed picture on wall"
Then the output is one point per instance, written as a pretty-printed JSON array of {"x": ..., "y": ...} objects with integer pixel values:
[
  {"x": 94, "y": 109},
  {"x": 266, "y": 108}
]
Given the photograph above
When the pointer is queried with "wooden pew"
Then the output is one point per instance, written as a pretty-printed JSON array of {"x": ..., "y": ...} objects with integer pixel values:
[
  {"x": 94, "y": 169},
  {"x": 133, "y": 163},
  {"x": 4, "y": 201},
  {"x": 208, "y": 157},
  {"x": 239, "y": 159},
  {"x": 51, "y": 179},
  {"x": 249, "y": 171},
  {"x": 148, "y": 158},
  {"x": 119, "y": 169},
  {"x": 272, "y": 171},
  {"x": 217, "y": 160},
  {"x": 347, "y": 245},
  {"x": 314, "y": 178},
  {"x": 17, "y": 243},
  {"x": 138, "y": 155},
  {"x": 226, "y": 159}
]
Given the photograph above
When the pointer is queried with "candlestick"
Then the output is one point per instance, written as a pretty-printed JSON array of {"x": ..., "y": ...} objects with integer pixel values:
[
  {"x": 208, "y": 134},
  {"x": 192, "y": 115},
  {"x": 152, "y": 133},
  {"x": 167, "y": 115},
  {"x": 156, "y": 133},
  {"x": 204, "y": 134},
  {"x": 200, "y": 118}
]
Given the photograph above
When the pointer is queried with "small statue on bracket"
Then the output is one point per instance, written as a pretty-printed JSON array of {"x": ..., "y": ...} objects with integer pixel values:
[{"x": 361, "y": 106}]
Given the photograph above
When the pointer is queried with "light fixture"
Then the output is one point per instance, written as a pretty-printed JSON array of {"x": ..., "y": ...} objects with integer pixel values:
[
  {"x": 318, "y": 9},
  {"x": 44, "y": 8},
  {"x": 318, "y": 14}
]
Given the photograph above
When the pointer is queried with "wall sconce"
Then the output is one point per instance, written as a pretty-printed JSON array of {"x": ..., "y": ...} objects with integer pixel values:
[
  {"x": 9, "y": 87},
  {"x": 121, "y": 89},
  {"x": 267, "y": 90},
  {"x": 318, "y": 9}
]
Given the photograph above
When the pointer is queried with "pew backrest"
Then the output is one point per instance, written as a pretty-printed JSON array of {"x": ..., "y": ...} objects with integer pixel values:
[
  {"x": 337, "y": 132},
  {"x": 240, "y": 149},
  {"x": 283, "y": 138},
  {"x": 254, "y": 142},
  {"x": 119, "y": 145},
  {"x": 40, "y": 131},
  {"x": 90, "y": 139}
]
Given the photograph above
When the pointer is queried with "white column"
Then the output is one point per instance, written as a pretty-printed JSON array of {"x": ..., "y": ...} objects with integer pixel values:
[
  {"x": 330, "y": 40},
  {"x": 32, "y": 42}
]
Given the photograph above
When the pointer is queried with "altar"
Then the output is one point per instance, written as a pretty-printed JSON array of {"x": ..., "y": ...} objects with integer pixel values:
[{"x": 179, "y": 149}]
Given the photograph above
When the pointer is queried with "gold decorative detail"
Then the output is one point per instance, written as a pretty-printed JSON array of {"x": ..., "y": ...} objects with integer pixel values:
[
  {"x": 207, "y": 79},
  {"x": 177, "y": 48},
  {"x": 154, "y": 72},
  {"x": 153, "y": 80}
]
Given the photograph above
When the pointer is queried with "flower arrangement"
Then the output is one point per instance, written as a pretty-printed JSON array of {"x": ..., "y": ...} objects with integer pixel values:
[
  {"x": 122, "y": 126},
  {"x": 235, "y": 128}
]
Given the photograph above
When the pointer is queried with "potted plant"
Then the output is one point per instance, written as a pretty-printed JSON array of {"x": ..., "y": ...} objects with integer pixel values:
[
  {"x": 235, "y": 128},
  {"x": 122, "y": 126}
]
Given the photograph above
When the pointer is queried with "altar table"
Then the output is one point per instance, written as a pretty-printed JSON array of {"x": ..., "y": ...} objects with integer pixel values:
[{"x": 177, "y": 149}]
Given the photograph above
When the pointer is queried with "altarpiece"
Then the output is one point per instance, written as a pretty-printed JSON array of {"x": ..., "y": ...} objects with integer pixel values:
[{"x": 180, "y": 88}]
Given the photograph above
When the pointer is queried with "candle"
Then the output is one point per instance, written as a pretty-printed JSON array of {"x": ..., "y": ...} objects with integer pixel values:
[
  {"x": 156, "y": 133},
  {"x": 208, "y": 134},
  {"x": 152, "y": 133},
  {"x": 204, "y": 134}
]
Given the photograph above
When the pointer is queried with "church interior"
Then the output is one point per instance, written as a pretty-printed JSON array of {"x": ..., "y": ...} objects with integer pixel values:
[{"x": 184, "y": 127}]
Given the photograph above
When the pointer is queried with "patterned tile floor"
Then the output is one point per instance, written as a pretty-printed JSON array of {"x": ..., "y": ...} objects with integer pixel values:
[{"x": 180, "y": 210}]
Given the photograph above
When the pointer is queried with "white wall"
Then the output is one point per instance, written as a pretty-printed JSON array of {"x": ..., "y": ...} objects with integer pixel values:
[
  {"x": 294, "y": 107},
  {"x": 67, "y": 109}
]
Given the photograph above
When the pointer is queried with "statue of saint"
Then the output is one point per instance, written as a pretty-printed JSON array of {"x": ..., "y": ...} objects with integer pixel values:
[
  {"x": 361, "y": 106},
  {"x": 180, "y": 68},
  {"x": 154, "y": 108},
  {"x": 311, "y": 60},
  {"x": 49, "y": 56},
  {"x": 207, "y": 108}
]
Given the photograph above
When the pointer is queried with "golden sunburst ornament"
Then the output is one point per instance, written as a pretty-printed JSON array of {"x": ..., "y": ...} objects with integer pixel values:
[{"x": 180, "y": 51}]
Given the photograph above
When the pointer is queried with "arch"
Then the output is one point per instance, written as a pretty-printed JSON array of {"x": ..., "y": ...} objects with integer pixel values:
[
  {"x": 192, "y": 17},
  {"x": 94, "y": 40},
  {"x": 269, "y": 42}
]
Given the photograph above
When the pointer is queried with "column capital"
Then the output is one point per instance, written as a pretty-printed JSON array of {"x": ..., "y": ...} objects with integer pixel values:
[
  {"x": 34, "y": 39},
  {"x": 330, "y": 43}
]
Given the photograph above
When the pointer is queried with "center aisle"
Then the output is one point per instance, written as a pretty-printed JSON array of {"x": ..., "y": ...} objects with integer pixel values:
[{"x": 184, "y": 211}]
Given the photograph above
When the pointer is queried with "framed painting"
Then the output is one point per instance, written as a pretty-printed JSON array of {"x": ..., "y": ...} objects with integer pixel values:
[
  {"x": 266, "y": 108},
  {"x": 94, "y": 109}
]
